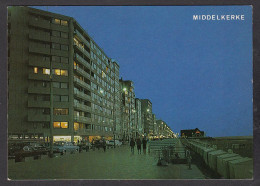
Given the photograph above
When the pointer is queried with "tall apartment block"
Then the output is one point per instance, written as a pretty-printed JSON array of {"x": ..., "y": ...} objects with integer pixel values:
[
  {"x": 163, "y": 129},
  {"x": 146, "y": 106},
  {"x": 128, "y": 109},
  {"x": 59, "y": 77},
  {"x": 139, "y": 118}
]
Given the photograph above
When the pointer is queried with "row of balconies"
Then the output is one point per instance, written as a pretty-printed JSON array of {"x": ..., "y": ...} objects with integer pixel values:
[
  {"x": 82, "y": 38},
  {"x": 45, "y": 37},
  {"x": 86, "y": 53},
  {"x": 82, "y": 95},
  {"x": 82, "y": 61},
  {"x": 82, "y": 72},
  {"x": 47, "y": 25},
  {"x": 48, "y": 51},
  {"x": 82, "y": 83},
  {"x": 82, "y": 107}
]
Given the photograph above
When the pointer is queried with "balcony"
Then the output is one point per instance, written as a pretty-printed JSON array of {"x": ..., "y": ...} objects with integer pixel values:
[
  {"x": 82, "y": 72},
  {"x": 39, "y": 63},
  {"x": 82, "y": 131},
  {"x": 39, "y": 76},
  {"x": 82, "y": 38},
  {"x": 82, "y": 119},
  {"x": 82, "y": 95},
  {"x": 38, "y": 117},
  {"x": 60, "y": 40},
  {"x": 39, "y": 36},
  {"x": 82, "y": 107},
  {"x": 60, "y": 53},
  {"x": 39, "y": 23},
  {"x": 39, "y": 50},
  {"x": 82, "y": 83},
  {"x": 82, "y": 61},
  {"x": 86, "y": 53},
  {"x": 38, "y": 104},
  {"x": 39, "y": 90}
]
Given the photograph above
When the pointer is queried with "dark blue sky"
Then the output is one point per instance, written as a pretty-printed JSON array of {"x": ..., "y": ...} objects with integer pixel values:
[{"x": 196, "y": 73}]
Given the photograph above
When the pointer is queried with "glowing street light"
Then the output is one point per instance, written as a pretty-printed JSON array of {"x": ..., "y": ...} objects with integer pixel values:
[
  {"x": 124, "y": 89},
  {"x": 148, "y": 110}
]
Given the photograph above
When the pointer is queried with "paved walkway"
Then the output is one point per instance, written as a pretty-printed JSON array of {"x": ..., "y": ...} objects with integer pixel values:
[{"x": 116, "y": 163}]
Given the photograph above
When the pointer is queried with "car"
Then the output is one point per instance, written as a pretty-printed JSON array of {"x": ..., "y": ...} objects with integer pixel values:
[
  {"x": 64, "y": 147},
  {"x": 111, "y": 142}
]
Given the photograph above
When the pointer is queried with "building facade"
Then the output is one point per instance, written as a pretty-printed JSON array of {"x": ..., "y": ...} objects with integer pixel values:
[
  {"x": 60, "y": 81},
  {"x": 146, "y": 107},
  {"x": 128, "y": 109},
  {"x": 138, "y": 116},
  {"x": 62, "y": 84}
]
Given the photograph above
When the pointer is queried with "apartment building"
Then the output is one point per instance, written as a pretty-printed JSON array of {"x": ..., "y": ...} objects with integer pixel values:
[
  {"x": 128, "y": 109},
  {"x": 60, "y": 82},
  {"x": 139, "y": 118},
  {"x": 146, "y": 107}
]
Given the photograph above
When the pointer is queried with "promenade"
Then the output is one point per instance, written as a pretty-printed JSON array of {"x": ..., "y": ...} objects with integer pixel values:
[{"x": 118, "y": 163}]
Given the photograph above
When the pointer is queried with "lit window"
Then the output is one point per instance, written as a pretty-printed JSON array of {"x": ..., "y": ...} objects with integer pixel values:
[
  {"x": 64, "y": 125},
  {"x": 76, "y": 126},
  {"x": 35, "y": 70},
  {"x": 60, "y": 111},
  {"x": 57, "y": 21},
  {"x": 64, "y": 73},
  {"x": 46, "y": 71},
  {"x": 64, "y": 23},
  {"x": 57, "y": 72},
  {"x": 56, "y": 124}
]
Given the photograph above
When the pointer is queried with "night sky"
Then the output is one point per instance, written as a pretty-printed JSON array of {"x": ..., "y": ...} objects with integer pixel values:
[{"x": 197, "y": 74}]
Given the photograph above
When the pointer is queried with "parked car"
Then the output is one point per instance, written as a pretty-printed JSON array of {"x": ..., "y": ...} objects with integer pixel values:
[
  {"x": 64, "y": 147},
  {"x": 111, "y": 142}
]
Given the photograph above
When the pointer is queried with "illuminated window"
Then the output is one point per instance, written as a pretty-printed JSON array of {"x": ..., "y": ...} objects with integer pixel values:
[
  {"x": 46, "y": 71},
  {"x": 103, "y": 74},
  {"x": 76, "y": 126},
  {"x": 56, "y": 124},
  {"x": 35, "y": 70},
  {"x": 60, "y": 111},
  {"x": 64, "y": 23},
  {"x": 57, "y": 72},
  {"x": 64, "y": 73},
  {"x": 64, "y": 125},
  {"x": 75, "y": 65},
  {"x": 57, "y": 21}
]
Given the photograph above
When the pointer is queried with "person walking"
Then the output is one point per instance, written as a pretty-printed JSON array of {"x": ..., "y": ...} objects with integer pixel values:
[
  {"x": 144, "y": 145},
  {"x": 104, "y": 145},
  {"x": 138, "y": 143},
  {"x": 132, "y": 145}
]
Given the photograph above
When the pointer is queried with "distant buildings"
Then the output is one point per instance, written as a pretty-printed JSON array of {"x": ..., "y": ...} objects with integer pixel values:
[
  {"x": 192, "y": 133},
  {"x": 62, "y": 84}
]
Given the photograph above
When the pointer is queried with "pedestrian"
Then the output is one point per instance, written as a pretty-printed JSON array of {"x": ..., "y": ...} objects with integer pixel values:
[
  {"x": 93, "y": 145},
  {"x": 104, "y": 145},
  {"x": 132, "y": 145},
  {"x": 144, "y": 145},
  {"x": 138, "y": 143}
]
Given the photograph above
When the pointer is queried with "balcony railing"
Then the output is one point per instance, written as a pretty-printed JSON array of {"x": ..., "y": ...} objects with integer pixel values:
[
  {"x": 82, "y": 50},
  {"x": 82, "y": 95},
  {"x": 82, "y": 119},
  {"x": 83, "y": 61},
  {"x": 82, "y": 106},
  {"x": 82, "y": 83},
  {"x": 82, "y": 72},
  {"x": 82, "y": 38}
]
